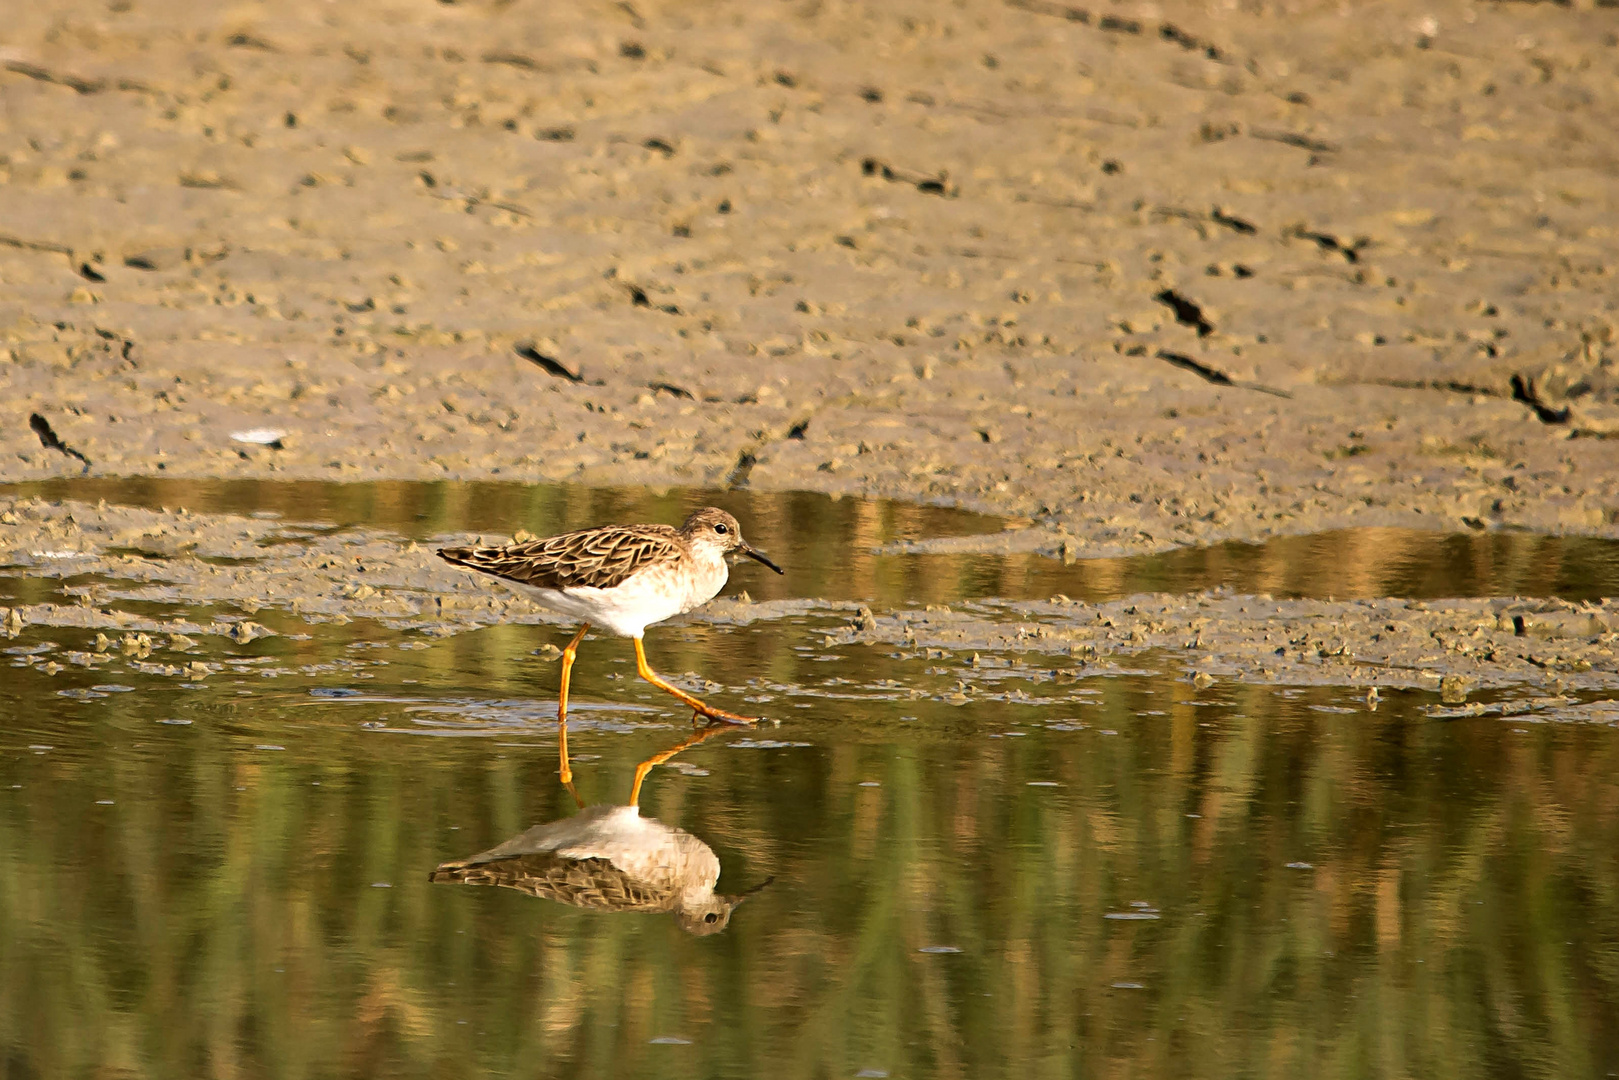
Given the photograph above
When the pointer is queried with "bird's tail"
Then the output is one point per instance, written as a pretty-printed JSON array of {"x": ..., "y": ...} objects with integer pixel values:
[
  {"x": 460, "y": 556},
  {"x": 468, "y": 872}
]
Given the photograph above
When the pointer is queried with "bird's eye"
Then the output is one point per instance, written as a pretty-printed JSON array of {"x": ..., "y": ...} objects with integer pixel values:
[
  {"x": 720, "y": 527},
  {"x": 711, "y": 917}
]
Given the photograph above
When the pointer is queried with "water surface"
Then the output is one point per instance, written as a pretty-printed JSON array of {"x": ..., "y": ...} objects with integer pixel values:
[
  {"x": 1097, "y": 876},
  {"x": 846, "y": 548}
]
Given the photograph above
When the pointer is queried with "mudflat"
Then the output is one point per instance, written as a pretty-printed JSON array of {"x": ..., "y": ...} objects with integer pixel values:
[
  {"x": 1187, "y": 428},
  {"x": 1142, "y": 275}
]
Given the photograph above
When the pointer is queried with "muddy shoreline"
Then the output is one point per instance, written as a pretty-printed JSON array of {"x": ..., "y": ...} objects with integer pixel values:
[
  {"x": 1176, "y": 275},
  {"x": 1132, "y": 281},
  {"x": 184, "y": 593},
  {"x": 1190, "y": 429}
]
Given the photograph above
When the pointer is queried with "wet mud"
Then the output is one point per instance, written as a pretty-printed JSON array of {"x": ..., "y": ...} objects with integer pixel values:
[
  {"x": 1143, "y": 277},
  {"x": 1228, "y": 686},
  {"x": 1376, "y": 609}
]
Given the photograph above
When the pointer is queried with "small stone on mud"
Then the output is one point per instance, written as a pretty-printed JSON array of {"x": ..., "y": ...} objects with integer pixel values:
[{"x": 246, "y": 631}]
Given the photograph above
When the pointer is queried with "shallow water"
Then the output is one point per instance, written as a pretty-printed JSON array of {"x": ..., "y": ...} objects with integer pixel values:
[
  {"x": 1076, "y": 876},
  {"x": 855, "y": 548}
]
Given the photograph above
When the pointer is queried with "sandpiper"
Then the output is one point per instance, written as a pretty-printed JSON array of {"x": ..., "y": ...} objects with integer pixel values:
[
  {"x": 610, "y": 858},
  {"x": 624, "y": 578}
]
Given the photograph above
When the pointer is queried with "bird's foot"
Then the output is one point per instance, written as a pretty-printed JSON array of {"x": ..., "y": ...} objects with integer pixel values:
[{"x": 709, "y": 715}]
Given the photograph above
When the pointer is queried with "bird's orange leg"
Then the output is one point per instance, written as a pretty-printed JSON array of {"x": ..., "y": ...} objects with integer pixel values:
[
  {"x": 562, "y": 707},
  {"x": 664, "y": 755},
  {"x": 702, "y": 709}
]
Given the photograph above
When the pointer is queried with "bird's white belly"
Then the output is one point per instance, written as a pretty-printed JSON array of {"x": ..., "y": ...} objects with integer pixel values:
[{"x": 628, "y": 609}]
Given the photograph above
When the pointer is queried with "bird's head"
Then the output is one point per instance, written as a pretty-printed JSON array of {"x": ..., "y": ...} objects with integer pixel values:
[
  {"x": 712, "y": 913},
  {"x": 707, "y": 918},
  {"x": 713, "y": 528}
]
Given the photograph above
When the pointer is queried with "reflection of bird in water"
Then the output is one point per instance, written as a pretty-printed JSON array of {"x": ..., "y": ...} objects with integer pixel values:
[
  {"x": 624, "y": 577},
  {"x": 607, "y": 858},
  {"x": 610, "y": 858}
]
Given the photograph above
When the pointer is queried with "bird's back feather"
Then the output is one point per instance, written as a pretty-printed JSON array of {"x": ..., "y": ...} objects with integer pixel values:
[
  {"x": 590, "y": 558},
  {"x": 587, "y": 883}
]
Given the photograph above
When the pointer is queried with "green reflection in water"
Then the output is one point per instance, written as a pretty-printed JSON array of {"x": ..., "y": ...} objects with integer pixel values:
[
  {"x": 1073, "y": 888},
  {"x": 1120, "y": 876}
]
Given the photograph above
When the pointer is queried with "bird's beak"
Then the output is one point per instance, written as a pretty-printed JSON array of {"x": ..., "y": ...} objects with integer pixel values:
[
  {"x": 739, "y": 897},
  {"x": 759, "y": 556}
]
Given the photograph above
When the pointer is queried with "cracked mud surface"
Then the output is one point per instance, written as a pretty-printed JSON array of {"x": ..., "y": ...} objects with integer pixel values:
[{"x": 1143, "y": 276}]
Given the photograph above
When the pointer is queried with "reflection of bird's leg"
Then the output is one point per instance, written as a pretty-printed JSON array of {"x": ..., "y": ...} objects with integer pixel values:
[
  {"x": 709, "y": 711},
  {"x": 562, "y": 705},
  {"x": 664, "y": 755}
]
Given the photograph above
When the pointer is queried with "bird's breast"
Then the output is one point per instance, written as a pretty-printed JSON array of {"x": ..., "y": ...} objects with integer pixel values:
[{"x": 706, "y": 576}]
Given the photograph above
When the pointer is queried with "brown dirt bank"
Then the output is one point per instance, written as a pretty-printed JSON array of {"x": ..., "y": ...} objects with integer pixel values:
[{"x": 1037, "y": 259}]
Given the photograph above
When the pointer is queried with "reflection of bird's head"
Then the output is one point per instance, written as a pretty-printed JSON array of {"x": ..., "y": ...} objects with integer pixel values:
[
  {"x": 713, "y": 913},
  {"x": 709, "y": 917},
  {"x": 716, "y": 530}
]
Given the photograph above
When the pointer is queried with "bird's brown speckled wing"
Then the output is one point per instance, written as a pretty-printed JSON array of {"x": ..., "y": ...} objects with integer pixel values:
[
  {"x": 585, "y": 883},
  {"x": 593, "y": 558}
]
